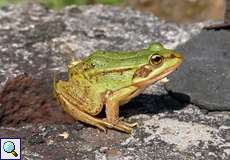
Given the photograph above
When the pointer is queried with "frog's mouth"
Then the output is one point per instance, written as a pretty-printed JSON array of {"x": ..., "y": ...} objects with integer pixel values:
[
  {"x": 166, "y": 73},
  {"x": 158, "y": 77}
]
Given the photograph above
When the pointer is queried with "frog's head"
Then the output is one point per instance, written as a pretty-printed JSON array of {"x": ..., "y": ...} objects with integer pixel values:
[{"x": 160, "y": 63}]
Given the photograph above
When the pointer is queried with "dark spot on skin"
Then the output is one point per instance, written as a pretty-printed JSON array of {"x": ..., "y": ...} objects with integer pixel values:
[
  {"x": 92, "y": 65},
  {"x": 142, "y": 72},
  {"x": 172, "y": 56},
  {"x": 121, "y": 71},
  {"x": 85, "y": 67}
]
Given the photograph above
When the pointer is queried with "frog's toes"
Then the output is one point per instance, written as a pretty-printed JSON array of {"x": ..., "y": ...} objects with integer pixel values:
[
  {"x": 101, "y": 127},
  {"x": 121, "y": 120},
  {"x": 123, "y": 127},
  {"x": 130, "y": 124},
  {"x": 119, "y": 125}
]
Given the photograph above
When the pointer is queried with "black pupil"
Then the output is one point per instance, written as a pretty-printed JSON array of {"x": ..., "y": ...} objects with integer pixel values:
[{"x": 157, "y": 59}]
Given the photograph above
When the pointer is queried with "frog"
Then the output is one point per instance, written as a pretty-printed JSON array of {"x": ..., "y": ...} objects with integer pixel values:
[{"x": 111, "y": 79}]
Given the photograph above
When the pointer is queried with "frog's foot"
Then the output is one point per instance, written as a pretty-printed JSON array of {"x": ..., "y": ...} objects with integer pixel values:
[
  {"x": 124, "y": 126},
  {"x": 134, "y": 124},
  {"x": 120, "y": 125}
]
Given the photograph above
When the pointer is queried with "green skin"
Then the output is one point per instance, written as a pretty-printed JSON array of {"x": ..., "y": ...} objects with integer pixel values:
[{"x": 111, "y": 79}]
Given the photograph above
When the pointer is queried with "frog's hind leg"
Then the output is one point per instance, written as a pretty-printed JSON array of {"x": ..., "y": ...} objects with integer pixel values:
[
  {"x": 61, "y": 90},
  {"x": 77, "y": 114},
  {"x": 87, "y": 118},
  {"x": 76, "y": 108}
]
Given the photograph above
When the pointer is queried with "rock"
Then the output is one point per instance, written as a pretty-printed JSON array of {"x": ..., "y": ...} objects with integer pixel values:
[
  {"x": 183, "y": 134},
  {"x": 25, "y": 100},
  {"x": 205, "y": 73}
]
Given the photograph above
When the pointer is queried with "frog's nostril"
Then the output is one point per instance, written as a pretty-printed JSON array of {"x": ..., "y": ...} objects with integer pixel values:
[{"x": 176, "y": 55}]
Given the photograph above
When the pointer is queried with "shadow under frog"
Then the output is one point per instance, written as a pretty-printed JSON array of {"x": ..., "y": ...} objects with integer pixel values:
[
  {"x": 149, "y": 103},
  {"x": 152, "y": 104}
]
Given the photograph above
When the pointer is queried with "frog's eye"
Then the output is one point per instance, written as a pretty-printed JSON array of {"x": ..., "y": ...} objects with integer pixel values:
[{"x": 156, "y": 59}]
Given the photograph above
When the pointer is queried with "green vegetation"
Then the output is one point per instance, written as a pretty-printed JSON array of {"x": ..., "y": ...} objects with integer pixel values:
[
  {"x": 7, "y": 2},
  {"x": 58, "y": 4},
  {"x": 110, "y": 2}
]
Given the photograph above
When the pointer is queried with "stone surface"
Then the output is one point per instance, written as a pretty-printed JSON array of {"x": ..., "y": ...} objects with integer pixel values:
[
  {"x": 180, "y": 134},
  {"x": 205, "y": 73},
  {"x": 26, "y": 100},
  {"x": 39, "y": 42}
]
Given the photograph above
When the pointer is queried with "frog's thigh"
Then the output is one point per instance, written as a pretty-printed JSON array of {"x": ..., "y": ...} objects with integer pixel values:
[
  {"x": 75, "y": 111},
  {"x": 85, "y": 117},
  {"x": 114, "y": 100},
  {"x": 77, "y": 114},
  {"x": 69, "y": 105}
]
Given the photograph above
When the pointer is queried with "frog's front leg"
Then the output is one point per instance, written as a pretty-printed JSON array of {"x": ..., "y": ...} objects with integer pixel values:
[{"x": 113, "y": 100}]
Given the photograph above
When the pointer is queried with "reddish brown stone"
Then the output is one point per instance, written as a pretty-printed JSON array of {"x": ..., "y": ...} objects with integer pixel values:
[{"x": 26, "y": 100}]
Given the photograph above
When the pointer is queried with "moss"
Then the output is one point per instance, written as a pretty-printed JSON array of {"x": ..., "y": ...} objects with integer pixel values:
[{"x": 62, "y": 3}]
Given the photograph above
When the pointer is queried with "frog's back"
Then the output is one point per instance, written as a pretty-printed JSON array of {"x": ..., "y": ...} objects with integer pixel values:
[
  {"x": 111, "y": 70},
  {"x": 111, "y": 60}
]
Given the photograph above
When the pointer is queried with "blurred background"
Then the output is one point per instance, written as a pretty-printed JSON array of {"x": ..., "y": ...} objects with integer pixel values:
[{"x": 180, "y": 11}]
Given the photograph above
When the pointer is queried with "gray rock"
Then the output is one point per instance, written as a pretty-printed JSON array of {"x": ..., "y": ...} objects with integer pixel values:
[
  {"x": 183, "y": 134},
  {"x": 205, "y": 73}
]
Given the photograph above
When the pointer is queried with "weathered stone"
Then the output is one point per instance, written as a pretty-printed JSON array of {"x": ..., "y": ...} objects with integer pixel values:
[
  {"x": 183, "y": 134},
  {"x": 25, "y": 100},
  {"x": 205, "y": 73}
]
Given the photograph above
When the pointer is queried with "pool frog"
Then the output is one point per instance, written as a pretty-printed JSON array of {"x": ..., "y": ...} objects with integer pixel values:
[{"x": 111, "y": 79}]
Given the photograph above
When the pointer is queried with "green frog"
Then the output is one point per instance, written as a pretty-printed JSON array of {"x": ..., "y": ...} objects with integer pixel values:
[{"x": 112, "y": 79}]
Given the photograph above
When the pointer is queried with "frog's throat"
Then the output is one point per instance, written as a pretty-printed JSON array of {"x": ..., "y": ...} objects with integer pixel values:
[{"x": 158, "y": 77}]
